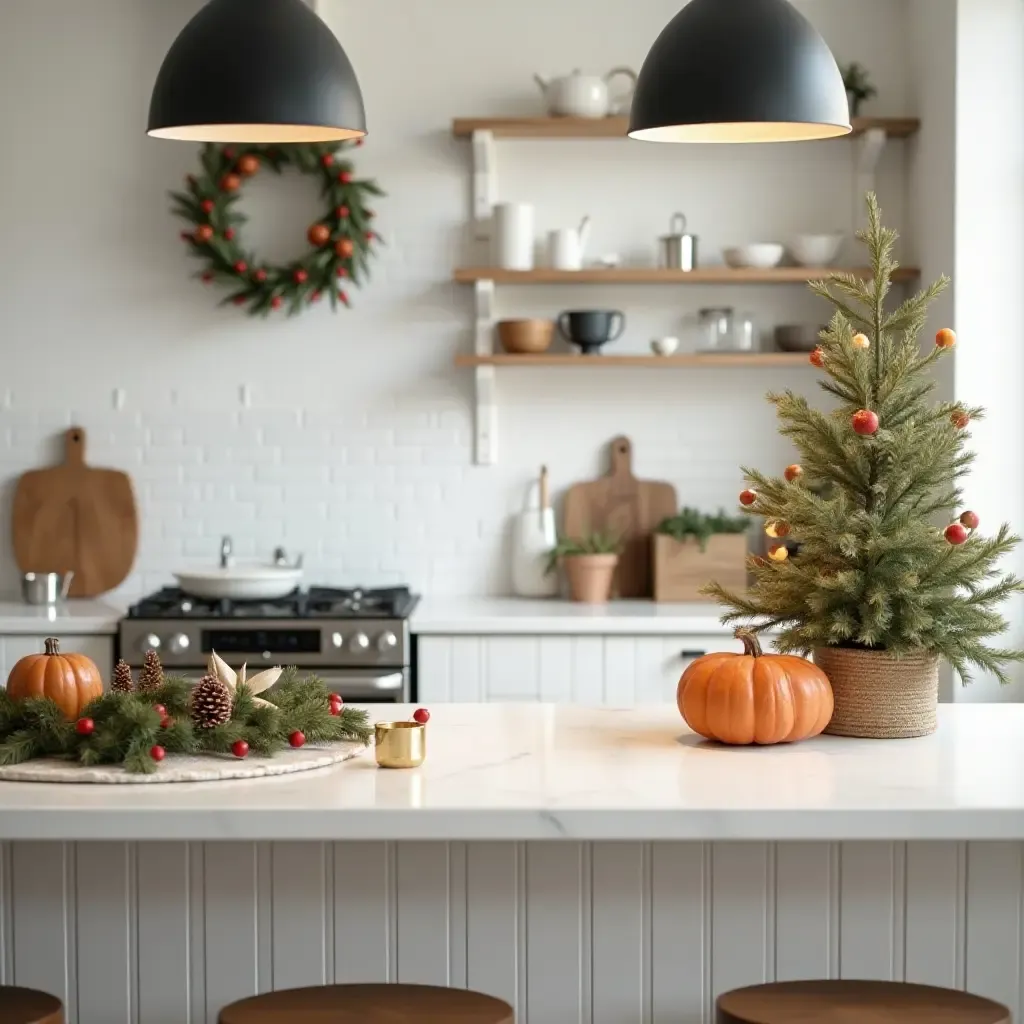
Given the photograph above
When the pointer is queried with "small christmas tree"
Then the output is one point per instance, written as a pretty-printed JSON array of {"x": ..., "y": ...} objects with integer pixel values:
[{"x": 878, "y": 569}]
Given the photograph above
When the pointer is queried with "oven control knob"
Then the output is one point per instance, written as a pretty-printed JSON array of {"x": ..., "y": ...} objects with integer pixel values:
[
  {"x": 149, "y": 641},
  {"x": 359, "y": 642},
  {"x": 179, "y": 643},
  {"x": 338, "y": 640},
  {"x": 387, "y": 642}
]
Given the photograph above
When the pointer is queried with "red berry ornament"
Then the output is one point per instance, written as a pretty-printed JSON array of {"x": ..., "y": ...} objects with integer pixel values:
[
  {"x": 342, "y": 272},
  {"x": 248, "y": 165},
  {"x": 241, "y": 267},
  {"x": 945, "y": 338},
  {"x": 327, "y": 160},
  {"x": 345, "y": 177},
  {"x": 297, "y": 739},
  {"x": 229, "y": 153},
  {"x": 421, "y": 715},
  {"x": 276, "y": 302},
  {"x": 817, "y": 357},
  {"x": 344, "y": 297},
  {"x": 204, "y": 233},
  {"x": 342, "y": 211},
  {"x": 794, "y": 472},
  {"x": 971, "y": 520},
  {"x": 239, "y": 300},
  {"x": 748, "y": 497},
  {"x": 229, "y": 234},
  {"x": 865, "y": 422},
  {"x": 239, "y": 748},
  {"x": 230, "y": 183},
  {"x": 207, "y": 205},
  {"x": 336, "y": 698},
  {"x": 160, "y": 710},
  {"x": 85, "y": 727},
  {"x": 956, "y": 533},
  {"x": 157, "y": 752},
  {"x": 316, "y": 296},
  {"x": 300, "y": 276},
  {"x": 370, "y": 236},
  {"x": 260, "y": 276},
  {"x": 166, "y": 721},
  {"x": 207, "y": 277}
]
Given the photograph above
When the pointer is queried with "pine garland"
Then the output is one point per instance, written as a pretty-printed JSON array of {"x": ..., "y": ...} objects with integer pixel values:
[
  {"x": 874, "y": 570},
  {"x": 127, "y": 725}
]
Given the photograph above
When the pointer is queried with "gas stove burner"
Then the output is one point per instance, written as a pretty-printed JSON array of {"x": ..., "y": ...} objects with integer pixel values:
[{"x": 317, "y": 602}]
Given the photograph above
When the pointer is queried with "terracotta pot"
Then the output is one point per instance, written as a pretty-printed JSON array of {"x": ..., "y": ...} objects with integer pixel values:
[
  {"x": 879, "y": 696},
  {"x": 526, "y": 337},
  {"x": 590, "y": 577}
]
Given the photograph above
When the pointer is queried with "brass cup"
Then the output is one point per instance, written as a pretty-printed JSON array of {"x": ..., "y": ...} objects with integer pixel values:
[{"x": 400, "y": 744}]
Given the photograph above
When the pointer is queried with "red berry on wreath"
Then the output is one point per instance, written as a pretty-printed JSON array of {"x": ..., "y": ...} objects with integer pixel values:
[
  {"x": 276, "y": 302},
  {"x": 239, "y": 748},
  {"x": 204, "y": 233},
  {"x": 342, "y": 272},
  {"x": 794, "y": 472},
  {"x": 960, "y": 419},
  {"x": 817, "y": 357},
  {"x": 344, "y": 247},
  {"x": 260, "y": 276},
  {"x": 186, "y": 236},
  {"x": 864, "y": 422},
  {"x": 160, "y": 709},
  {"x": 297, "y": 738},
  {"x": 956, "y": 533},
  {"x": 344, "y": 297},
  {"x": 342, "y": 211},
  {"x": 370, "y": 236},
  {"x": 748, "y": 497},
  {"x": 327, "y": 160},
  {"x": 229, "y": 234},
  {"x": 318, "y": 235},
  {"x": 207, "y": 205},
  {"x": 345, "y": 177},
  {"x": 421, "y": 715},
  {"x": 230, "y": 183},
  {"x": 241, "y": 267},
  {"x": 248, "y": 165},
  {"x": 300, "y": 276},
  {"x": 239, "y": 300},
  {"x": 157, "y": 752},
  {"x": 229, "y": 153},
  {"x": 166, "y": 721},
  {"x": 316, "y": 296},
  {"x": 971, "y": 520},
  {"x": 207, "y": 277},
  {"x": 945, "y": 338},
  {"x": 85, "y": 727}
]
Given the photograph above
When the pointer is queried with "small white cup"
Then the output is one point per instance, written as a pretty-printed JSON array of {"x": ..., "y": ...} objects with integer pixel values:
[{"x": 664, "y": 346}]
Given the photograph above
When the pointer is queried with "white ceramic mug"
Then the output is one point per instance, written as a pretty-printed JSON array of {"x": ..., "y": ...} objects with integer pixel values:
[
  {"x": 513, "y": 236},
  {"x": 565, "y": 252}
]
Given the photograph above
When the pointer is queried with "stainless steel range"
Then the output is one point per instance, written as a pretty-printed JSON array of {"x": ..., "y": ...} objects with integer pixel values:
[{"x": 356, "y": 640}]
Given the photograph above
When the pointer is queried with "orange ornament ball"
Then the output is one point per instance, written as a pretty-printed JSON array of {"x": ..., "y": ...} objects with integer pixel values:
[
  {"x": 204, "y": 233},
  {"x": 817, "y": 358},
  {"x": 945, "y": 338},
  {"x": 248, "y": 165},
  {"x": 861, "y": 341},
  {"x": 230, "y": 183},
  {"x": 865, "y": 422},
  {"x": 319, "y": 235},
  {"x": 344, "y": 247},
  {"x": 794, "y": 472},
  {"x": 71, "y": 681},
  {"x": 753, "y": 697},
  {"x": 748, "y": 497}
]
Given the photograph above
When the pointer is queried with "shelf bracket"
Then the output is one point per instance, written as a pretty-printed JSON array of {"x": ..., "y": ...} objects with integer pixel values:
[
  {"x": 485, "y": 385},
  {"x": 485, "y": 182},
  {"x": 869, "y": 148}
]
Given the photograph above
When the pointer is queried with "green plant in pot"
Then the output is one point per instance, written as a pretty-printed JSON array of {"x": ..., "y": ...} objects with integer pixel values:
[
  {"x": 692, "y": 549},
  {"x": 858, "y": 85},
  {"x": 589, "y": 563}
]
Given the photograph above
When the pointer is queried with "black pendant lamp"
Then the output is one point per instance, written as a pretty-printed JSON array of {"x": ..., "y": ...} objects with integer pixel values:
[
  {"x": 739, "y": 71},
  {"x": 257, "y": 71}
]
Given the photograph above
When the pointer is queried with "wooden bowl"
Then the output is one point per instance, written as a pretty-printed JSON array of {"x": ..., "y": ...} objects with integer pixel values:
[{"x": 526, "y": 337}]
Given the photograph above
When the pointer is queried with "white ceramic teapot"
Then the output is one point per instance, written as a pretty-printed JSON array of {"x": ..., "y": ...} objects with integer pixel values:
[{"x": 580, "y": 95}]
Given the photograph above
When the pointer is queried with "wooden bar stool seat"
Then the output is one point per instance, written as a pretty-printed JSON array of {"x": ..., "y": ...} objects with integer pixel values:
[
  {"x": 856, "y": 1002},
  {"x": 29, "y": 1006},
  {"x": 368, "y": 1004}
]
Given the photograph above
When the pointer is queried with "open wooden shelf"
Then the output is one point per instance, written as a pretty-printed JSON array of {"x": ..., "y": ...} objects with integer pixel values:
[
  {"x": 656, "y": 275},
  {"x": 691, "y": 359},
  {"x": 615, "y": 127}
]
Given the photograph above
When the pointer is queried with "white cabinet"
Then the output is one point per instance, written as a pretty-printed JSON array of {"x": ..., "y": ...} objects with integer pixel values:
[
  {"x": 594, "y": 669},
  {"x": 98, "y": 647}
]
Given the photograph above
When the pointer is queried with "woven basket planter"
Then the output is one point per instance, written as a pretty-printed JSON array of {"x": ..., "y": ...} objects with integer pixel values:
[{"x": 879, "y": 696}]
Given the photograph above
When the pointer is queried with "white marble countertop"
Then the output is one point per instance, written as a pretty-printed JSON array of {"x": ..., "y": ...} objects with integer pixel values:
[
  {"x": 538, "y": 771},
  {"x": 516, "y": 615},
  {"x": 70, "y": 618}
]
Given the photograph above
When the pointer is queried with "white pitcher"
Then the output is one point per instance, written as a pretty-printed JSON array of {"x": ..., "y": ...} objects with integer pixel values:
[
  {"x": 533, "y": 537},
  {"x": 567, "y": 247}
]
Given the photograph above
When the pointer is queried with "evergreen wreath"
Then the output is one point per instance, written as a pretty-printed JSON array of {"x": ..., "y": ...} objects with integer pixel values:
[
  {"x": 127, "y": 727},
  {"x": 342, "y": 240}
]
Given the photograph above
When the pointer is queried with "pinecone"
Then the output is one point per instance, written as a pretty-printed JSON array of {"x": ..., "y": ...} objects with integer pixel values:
[
  {"x": 122, "y": 681},
  {"x": 152, "y": 675},
  {"x": 210, "y": 703}
]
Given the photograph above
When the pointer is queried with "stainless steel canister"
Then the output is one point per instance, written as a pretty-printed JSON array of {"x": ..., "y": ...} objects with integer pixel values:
[{"x": 678, "y": 249}]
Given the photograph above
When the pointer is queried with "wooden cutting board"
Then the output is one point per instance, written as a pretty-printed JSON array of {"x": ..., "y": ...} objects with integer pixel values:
[
  {"x": 627, "y": 508},
  {"x": 79, "y": 518}
]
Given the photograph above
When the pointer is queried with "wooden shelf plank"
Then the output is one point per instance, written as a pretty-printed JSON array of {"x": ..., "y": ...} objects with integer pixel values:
[
  {"x": 615, "y": 127},
  {"x": 656, "y": 275},
  {"x": 692, "y": 359}
]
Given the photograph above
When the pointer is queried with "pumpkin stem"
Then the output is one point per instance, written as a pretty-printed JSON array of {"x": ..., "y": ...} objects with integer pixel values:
[
  {"x": 751, "y": 645},
  {"x": 51, "y": 645}
]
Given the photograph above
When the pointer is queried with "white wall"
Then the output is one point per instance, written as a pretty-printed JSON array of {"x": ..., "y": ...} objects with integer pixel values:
[{"x": 356, "y": 448}]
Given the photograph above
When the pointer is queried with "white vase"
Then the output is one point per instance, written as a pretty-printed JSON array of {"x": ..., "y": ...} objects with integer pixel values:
[
  {"x": 533, "y": 537},
  {"x": 513, "y": 236}
]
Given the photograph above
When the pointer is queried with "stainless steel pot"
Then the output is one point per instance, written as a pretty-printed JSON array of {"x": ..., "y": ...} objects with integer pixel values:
[
  {"x": 45, "y": 587},
  {"x": 678, "y": 249}
]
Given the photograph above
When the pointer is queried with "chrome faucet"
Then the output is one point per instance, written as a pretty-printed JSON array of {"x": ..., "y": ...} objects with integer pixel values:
[{"x": 225, "y": 552}]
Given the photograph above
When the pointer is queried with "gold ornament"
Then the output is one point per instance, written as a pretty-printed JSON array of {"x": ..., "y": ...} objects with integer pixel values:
[
  {"x": 218, "y": 667},
  {"x": 861, "y": 341},
  {"x": 778, "y": 552},
  {"x": 777, "y": 529}
]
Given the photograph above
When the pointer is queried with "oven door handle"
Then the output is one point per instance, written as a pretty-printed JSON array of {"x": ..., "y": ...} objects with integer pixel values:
[{"x": 357, "y": 683}]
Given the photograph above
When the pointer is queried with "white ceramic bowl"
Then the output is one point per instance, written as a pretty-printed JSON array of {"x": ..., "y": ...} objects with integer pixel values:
[
  {"x": 816, "y": 250},
  {"x": 756, "y": 255},
  {"x": 241, "y": 583},
  {"x": 664, "y": 346}
]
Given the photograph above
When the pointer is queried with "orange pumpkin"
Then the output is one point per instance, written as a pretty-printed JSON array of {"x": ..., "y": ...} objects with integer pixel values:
[
  {"x": 70, "y": 680},
  {"x": 754, "y": 697}
]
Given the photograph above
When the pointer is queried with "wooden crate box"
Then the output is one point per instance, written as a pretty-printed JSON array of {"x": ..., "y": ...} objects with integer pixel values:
[{"x": 681, "y": 568}]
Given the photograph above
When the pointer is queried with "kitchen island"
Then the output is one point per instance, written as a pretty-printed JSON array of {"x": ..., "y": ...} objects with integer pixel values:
[{"x": 584, "y": 863}]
